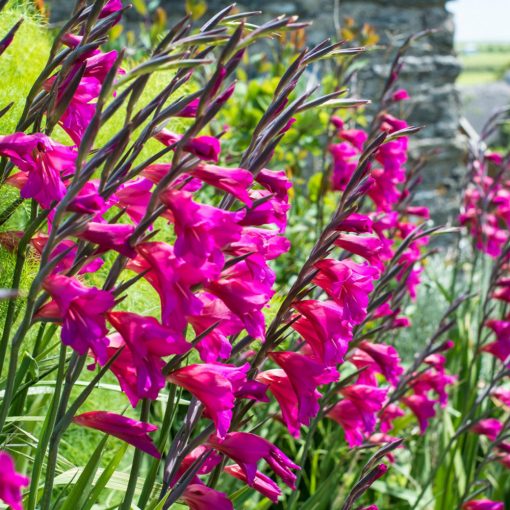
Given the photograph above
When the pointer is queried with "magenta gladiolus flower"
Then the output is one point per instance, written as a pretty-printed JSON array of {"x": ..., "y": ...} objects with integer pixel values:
[
  {"x": 370, "y": 248},
  {"x": 245, "y": 294},
  {"x": 247, "y": 449},
  {"x": 324, "y": 328},
  {"x": 215, "y": 385},
  {"x": 232, "y": 180},
  {"x": 276, "y": 182},
  {"x": 261, "y": 482},
  {"x": 207, "y": 148},
  {"x": 380, "y": 358},
  {"x": 503, "y": 395},
  {"x": 268, "y": 210},
  {"x": 215, "y": 313},
  {"x": 45, "y": 162},
  {"x": 355, "y": 222},
  {"x": 279, "y": 385},
  {"x": 172, "y": 279},
  {"x": 390, "y": 413},
  {"x": 433, "y": 380},
  {"x": 368, "y": 401},
  {"x": 212, "y": 460},
  {"x": 483, "y": 504},
  {"x": 305, "y": 375},
  {"x": 11, "y": 482},
  {"x": 202, "y": 230},
  {"x": 133, "y": 432},
  {"x": 349, "y": 284},
  {"x": 489, "y": 427},
  {"x": 267, "y": 243},
  {"x": 400, "y": 95},
  {"x": 109, "y": 237},
  {"x": 82, "y": 310},
  {"x": 140, "y": 364},
  {"x": 88, "y": 200},
  {"x": 134, "y": 197},
  {"x": 39, "y": 242},
  {"x": 422, "y": 407},
  {"x": 345, "y": 161},
  {"x": 200, "y": 497},
  {"x": 111, "y": 7}
]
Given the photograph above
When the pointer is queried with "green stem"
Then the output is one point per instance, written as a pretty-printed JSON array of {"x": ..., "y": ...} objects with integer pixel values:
[{"x": 135, "y": 466}]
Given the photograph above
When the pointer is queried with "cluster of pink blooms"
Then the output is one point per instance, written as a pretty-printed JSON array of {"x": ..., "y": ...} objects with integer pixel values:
[
  {"x": 216, "y": 280},
  {"x": 487, "y": 204},
  {"x": 486, "y": 215}
]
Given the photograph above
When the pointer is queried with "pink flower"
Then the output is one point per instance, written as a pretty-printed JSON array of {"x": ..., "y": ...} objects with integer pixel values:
[
  {"x": 370, "y": 248},
  {"x": 88, "y": 200},
  {"x": 305, "y": 375},
  {"x": 200, "y": 497},
  {"x": 82, "y": 310},
  {"x": 503, "y": 395},
  {"x": 345, "y": 161},
  {"x": 324, "y": 328},
  {"x": 134, "y": 197},
  {"x": 247, "y": 449},
  {"x": 268, "y": 209},
  {"x": 207, "y": 148},
  {"x": 276, "y": 182},
  {"x": 390, "y": 413},
  {"x": 45, "y": 162},
  {"x": 215, "y": 313},
  {"x": 212, "y": 460},
  {"x": 11, "y": 482},
  {"x": 349, "y": 284},
  {"x": 489, "y": 427},
  {"x": 202, "y": 230},
  {"x": 261, "y": 482},
  {"x": 422, "y": 407},
  {"x": 215, "y": 385},
  {"x": 355, "y": 222},
  {"x": 261, "y": 241},
  {"x": 109, "y": 236},
  {"x": 279, "y": 385},
  {"x": 433, "y": 380},
  {"x": 483, "y": 504},
  {"x": 39, "y": 242},
  {"x": 400, "y": 95},
  {"x": 232, "y": 180},
  {"x": 245, "y": 293},
  {"x": 380, "y": 358},
  {"x": 133, "y": 432},
  {"x": 356, "y": 414},
  {"x": 172, "y": 279},
  {"x": 140, "y": 364}
]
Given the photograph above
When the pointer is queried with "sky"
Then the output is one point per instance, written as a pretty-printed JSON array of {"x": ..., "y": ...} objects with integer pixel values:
[{"x": 481, "y": 20}]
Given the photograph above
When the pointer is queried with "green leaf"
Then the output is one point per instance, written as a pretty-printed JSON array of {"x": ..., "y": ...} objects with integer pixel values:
[
  {"x": 196, "y": 8},
  {"x": 81, "y": 489},
  {"x": 105, "y": 477}
]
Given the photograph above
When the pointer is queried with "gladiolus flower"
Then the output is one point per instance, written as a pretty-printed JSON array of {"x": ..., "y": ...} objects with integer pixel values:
[
  {"x": 215, "y": 314},
  {"x": 400, "y": 95},
  {"x": 305, "y": 375},
  {"x": 172, "y": 279},
  {"x": 279, "y": 385},
  {"x": 207, "y": 148},
  {"x": 489, "y": 427},
  {"x": 422, "y": 407},
  {"x": 247, "y": 449},
  {"x": 370, "y": 248},
  {"x": 215, "y": 385},
  {"x": 45, "y": 162},
  {"x": 349, "y": 284},
  {"x": 200, "y": 497},
  {"x": 483, "y": 504},
  {"x": 324, "y": 328},
  {"x": 82, "y": 310},
  {"x": 110, "y": 237},
  {"x": 139, "y": 366},
  {"x": 133, "y": 432},
  {"x": 261, "y": 482},
  {"x": 232, "y": 180},
  {"x": 11, "y": 482},
  {"x": 380, "y": 358}
]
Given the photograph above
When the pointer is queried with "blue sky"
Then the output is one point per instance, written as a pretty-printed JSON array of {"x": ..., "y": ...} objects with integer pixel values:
[{"x": 481, "y": 20}]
